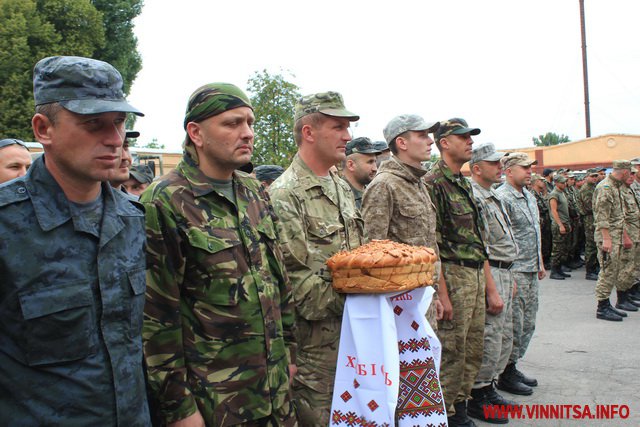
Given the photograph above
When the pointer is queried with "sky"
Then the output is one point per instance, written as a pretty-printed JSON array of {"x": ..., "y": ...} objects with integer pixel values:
[{"x": 510, "y": 67}]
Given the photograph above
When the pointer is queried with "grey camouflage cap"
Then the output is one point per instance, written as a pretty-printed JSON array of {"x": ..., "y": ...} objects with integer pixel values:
[
  {"x": 559, "y": 178},
  {"x": 455, "y": 126},
  {"x": 485, "y": 152},
  {"x": 516, "y": 159},
  {"x": 268, "y": 172},
  {"x": 141, "y": 173},
  {"x": 81, "y": 85},
  {"x": 592, "y": 171},
  {"x": 329, "y": 103},
  {"x": 406, "y": 122},
  {"x": 362, "y": 145},
  {"x": 381, "y": 146},
  {"x": 621, "y": 164}
]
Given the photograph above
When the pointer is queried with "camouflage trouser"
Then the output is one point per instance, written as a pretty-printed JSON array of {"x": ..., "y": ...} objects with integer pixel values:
[
  {"x": 525, "y": 308},
  {"x": 546, "y": 241},
  {"x": 498, "y": 331},
  {"x": 561, "y": 245},
  {"x": 590, "y": 250},
  {"x": 610, "y": 265},
  {"x": 627, "y": 273},
  {"x": 313, "y": 407},
  {"x": 462, "y": 337},
  {"x": 577, "y": 238}
]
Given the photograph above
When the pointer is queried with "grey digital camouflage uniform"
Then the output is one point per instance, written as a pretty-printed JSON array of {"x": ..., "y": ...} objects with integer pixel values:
[
  {"x": 71, "y": 308},
  {"x": 318, "y": 218},
  {"x": 218, "y": 321},
  {"x": 397, "y": 206},
  {"x": 522, "y": 210},
  {"x": 498, "y": 328}
]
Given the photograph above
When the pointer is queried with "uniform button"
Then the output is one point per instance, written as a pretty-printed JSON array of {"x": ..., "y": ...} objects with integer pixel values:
[
  {"x": 210, "y": 245},
  {"x": 21, "y": 190}
]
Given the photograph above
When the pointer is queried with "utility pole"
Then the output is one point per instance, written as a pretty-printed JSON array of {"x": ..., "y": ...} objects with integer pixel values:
[{"x": 587, "y": 114}]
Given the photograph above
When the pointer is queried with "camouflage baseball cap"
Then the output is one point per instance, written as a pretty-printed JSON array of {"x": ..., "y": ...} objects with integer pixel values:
[
  {"x": 81, "y": 85},
  {"x": 635, "y": 161},
  {"x": 381, "y": 146},
  {"x": 404, "y": 123},
  {"x": 592, "y": 171},
  {"x": 559, "y": 178},
  {"x": 329, "y": 103},
  {"x": 362, "y": 145},
  {"x": 485, "y": 152},
  {"x": 268, "y": 172},
  {"x": 622, "y": 164},
  {"x": 455, "y": 126},
  {"x": 141, "y": 173},
  {"x": 535, "y": 177},
  {"x": 517, "y": 159},
  {"x": 213, "y": 99}
]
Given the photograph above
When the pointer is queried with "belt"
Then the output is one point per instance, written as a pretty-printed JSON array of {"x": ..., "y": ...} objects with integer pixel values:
[
  {"x": 464, "y": 263},
  {"x": 501, "y": 264}
]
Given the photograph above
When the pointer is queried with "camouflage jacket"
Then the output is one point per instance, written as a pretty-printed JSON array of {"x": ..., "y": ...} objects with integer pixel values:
[
  {"x": 572, "y": 195},
  {"x": 585, "y": 199},
  {"x": 631, "y": 213},
  {"x": 70, "y": 308},
  {"x": 543, "y": 209},
  {"x": 497, "y": 226},
  {"x": 608, "y": 209},
  {"x": 318, "y": 218},
  {"x": 219, "y": 316},
  {"x": 457, "y": 218},
  {"x": 635, "y": 186},
  {"x": 525, "y": 222}
]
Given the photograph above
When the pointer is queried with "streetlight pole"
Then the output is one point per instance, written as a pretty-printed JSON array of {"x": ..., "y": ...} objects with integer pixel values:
[{"x": 587, "y": 114}]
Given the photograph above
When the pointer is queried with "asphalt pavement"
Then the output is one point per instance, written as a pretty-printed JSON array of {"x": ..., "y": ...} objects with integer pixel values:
[{"x": 578, "y": 359}]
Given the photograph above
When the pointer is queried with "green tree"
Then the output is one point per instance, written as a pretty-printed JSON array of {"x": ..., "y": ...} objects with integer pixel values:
[
  {"x": 548, "y": 139},
  {"x": 273, "y": 99}
]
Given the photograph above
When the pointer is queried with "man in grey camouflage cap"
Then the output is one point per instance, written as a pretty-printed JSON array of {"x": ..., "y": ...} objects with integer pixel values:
[
  {"x": 14, "y": 159},
  {"x": 318, "y": 217},
  {"x": 360, "y": 166},
  {"x": 73, "y": 277},
  {"x": 140, "y": 177},
  {"x": 384, "y": 152},
  {"x": 266, "y": 174}
]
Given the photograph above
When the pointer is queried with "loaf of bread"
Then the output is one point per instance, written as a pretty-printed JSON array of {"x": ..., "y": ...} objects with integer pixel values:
[{"x": 382, "y": 266}]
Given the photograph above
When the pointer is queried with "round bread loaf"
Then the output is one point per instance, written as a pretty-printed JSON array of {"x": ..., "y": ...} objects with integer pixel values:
[{"x": 382, "y": 266}]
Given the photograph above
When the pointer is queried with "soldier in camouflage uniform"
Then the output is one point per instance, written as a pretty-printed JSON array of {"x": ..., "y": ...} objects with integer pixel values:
[
  {"x": 463, "y": 255},
  {"x": 631, "y": 257},
  {"x": 560, "y": 228},
  {"x": 539, "y": 190},
  {"x": 612, "y": 240},
  {"x": 585, "y": 205},
  {"x": 396, "y": 204},
  {"x": 498, "y": 326},
  {"x": 527, "y": 268},
  {"x": 577, "y": 231},
  {"x": 360, "y": 166},
  {"x": 318, "y": 218},
  {"x": 14, "y": 159},
  {"x": 635, "y": 186},
  {"x": 72, "y": 262},
  {"x": 218, "y": 330}
]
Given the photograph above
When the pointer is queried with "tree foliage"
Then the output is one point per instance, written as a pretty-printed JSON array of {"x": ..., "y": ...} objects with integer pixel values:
[
  {"x": 273, "y": 99},
  {"x": 548, "y": 139},
  {"x": 33, "y": 29}
]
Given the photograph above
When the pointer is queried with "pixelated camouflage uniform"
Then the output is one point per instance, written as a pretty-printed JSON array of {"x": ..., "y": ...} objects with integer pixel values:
[
  {"x": 522, "y": 210},
  {"x": 545, "y": 225},
  {"x": 460, "y": 242},
  {"x": 71, "y": 311},
  {"x": 498, "y": 328},
  {"x": 397, "y": 206},
  {"x": 577, "y": 230},
  {"x": 318, "y": 218},
  {"x": 218, "y": 330},
  {"x": 585, "y": 205},
  {"x": 560, "y": 252},
  {"x": 635, "y": 186},
  {"x": 630, "y": 257},
  {"x": 608, "y": 212}
]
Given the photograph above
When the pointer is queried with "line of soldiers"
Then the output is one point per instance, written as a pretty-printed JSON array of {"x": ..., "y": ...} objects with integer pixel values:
[{"x": 208, "y": 301}]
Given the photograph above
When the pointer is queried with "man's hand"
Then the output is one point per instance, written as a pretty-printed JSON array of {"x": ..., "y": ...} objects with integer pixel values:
[
  {"x": 606, "y": 244},
  {"x": 439, "y": 309},
  {"x": 515, "y": 289},
  {"x": 193, "y": 420},
  {"x": 563, "y": 230},
  {"x": 494, "y": 303},
  {"x": 627, "y": 243},
  {"x": 293, "y": 370},
  {"x": 447, "y": 308},
  {"x": 542, "y": 274}
]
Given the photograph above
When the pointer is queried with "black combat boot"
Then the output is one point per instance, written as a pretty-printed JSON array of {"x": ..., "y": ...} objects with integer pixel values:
[
  {"x": 531, "y": 382},
  {"x": 497, "y": 399},
  {"x": 574, "y": 264},
  {"x": 565, "y": 269},
  {"x": 460, "y": 419},
  {"x": 616, "y": 311},
  {"x": 591, "y": 275},
  {"x": 605, "y": 312},
  {"x": 556, "y": 273},
  {"x": 623, "y": 303},
  {"x": 510, "y": 382},
  {"x": 632, "y": 298},
  {"x": 480, "y": 401}
]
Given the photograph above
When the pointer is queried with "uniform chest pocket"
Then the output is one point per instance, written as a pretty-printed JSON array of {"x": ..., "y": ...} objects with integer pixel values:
[
  {"x": 59, "y": 321},
  {"x": 216, "y": 268},
  {"x": 321, "y": 231},
  {"x": 412, "y": 211},
  {"x": 496, "y": 228},
  {"x": 137, "y": 284}
]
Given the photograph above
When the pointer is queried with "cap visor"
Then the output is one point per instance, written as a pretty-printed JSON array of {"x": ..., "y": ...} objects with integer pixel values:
[
  {"x": 462, "y": 131},
  {"x": 132, "y": 134},
  {"x": 341, "y": 113},
  {"x": 494, "y": 157},
  {"x": 97, "y": 106}
]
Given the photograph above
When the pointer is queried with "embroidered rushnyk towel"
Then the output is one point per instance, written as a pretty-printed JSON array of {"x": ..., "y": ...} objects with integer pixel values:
[{"x": 388, "y": 363}]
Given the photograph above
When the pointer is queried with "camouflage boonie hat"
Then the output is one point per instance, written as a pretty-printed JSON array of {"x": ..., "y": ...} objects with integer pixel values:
[
  {"x": 362, "y": 145},
  {"x": 329, "y": 103},
  {"x": 141, "y": 173},
  {"x": 380, "y": 146},
  {"x": 268, "y": 172},
  {"x": 517, "y": 159},
  {"x": 455, "y": 126},
  {"x": 80, "y": 85},
  {"x": 560, "y": 178},
  {"x": 213, "y": 99},
  {"x": 404, "y": 123},
  {"x": 485, "y": 152},
  {"x": 622, "y": 164}
]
